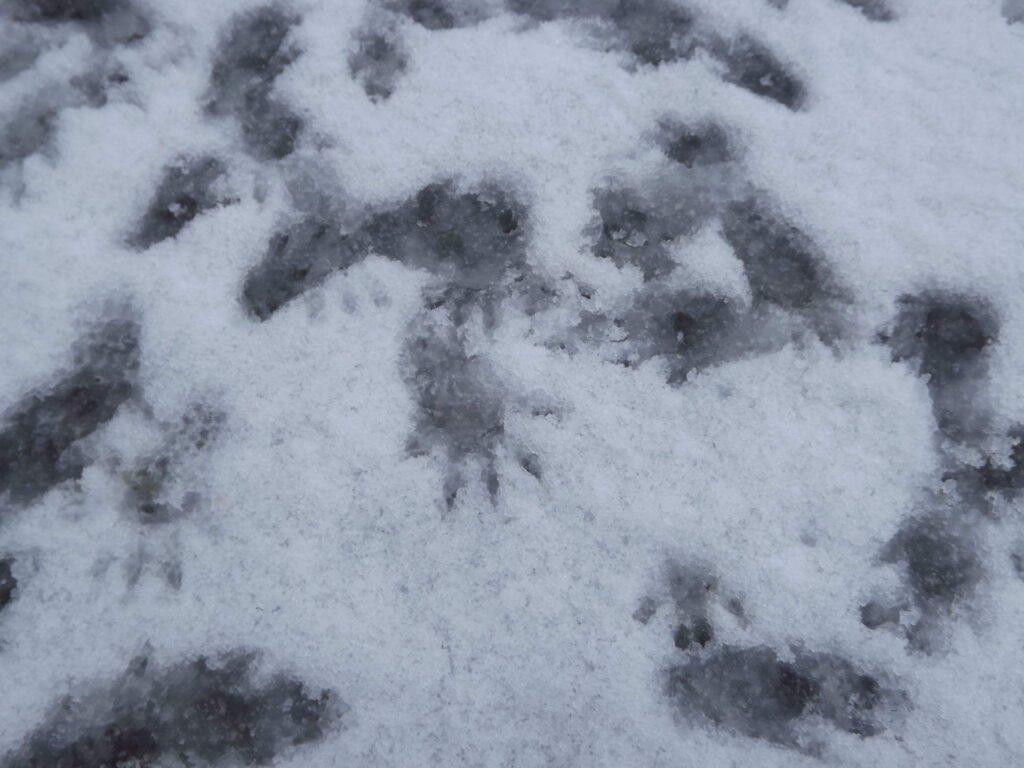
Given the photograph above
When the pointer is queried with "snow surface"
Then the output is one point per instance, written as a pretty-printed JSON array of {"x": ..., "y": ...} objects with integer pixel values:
[{"x": 450, "y": 497}]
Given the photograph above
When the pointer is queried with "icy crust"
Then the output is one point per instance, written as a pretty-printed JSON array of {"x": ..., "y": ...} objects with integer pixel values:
[{"x": 561, "y": 383}]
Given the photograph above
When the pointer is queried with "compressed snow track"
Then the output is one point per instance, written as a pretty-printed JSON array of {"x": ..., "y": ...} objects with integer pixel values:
[{"x": 511, "y": 383}]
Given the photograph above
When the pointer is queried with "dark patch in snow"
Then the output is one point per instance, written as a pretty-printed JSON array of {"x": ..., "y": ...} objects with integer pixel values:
[
  {"x": 1006, "y": 477},
  {"x": 64, "y": 10},
  {"x": 941, "y": 560},
  {"x": 432, "y": 14},
  {"x": 108, "y": 22},
  {"x": 696, "y": 145},
  {"x": 1013, "y": 11},
  {"x": 639, "y": 228},
  {"x": 378, "y": 60},
  {"x": 783, "y": 266},
  {"x": 469, "y": 241},
  {"x": 194, "y": 713},
  {"x": 874, "y": 614},
  {"x": 751, "y": 65},
  {"x": 30, "y": 129},
  {"x": 655, "y": 31},
  {"x": 8, "y": 582},
  {"x": 875, "y": 10},
  {"x": 253, "y": 53},
  {"x": 751, "y": 691},
  {"x": 156, "y": 491},
  {"x": 188, "y": 189},
  {"x": 39, "y": 433},
  {"x": 947, "y": 337},
  {"x": 459, "y": 398}
]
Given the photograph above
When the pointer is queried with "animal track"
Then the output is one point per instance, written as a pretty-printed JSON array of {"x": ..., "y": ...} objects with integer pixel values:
[
  {"x": 38, "y": 440},
  {"x": 473, "y": 244},
  {"x": 31, "y": 128},
  {"x": 377, "y": 61},
  {"x": 18, "y": 54},
  {"x": 753, "y": 691},
  {"x": 874, "y": 614},
  {"x": 297, "y": 259},
  {"x": 750, "y": 691},
  {"x": 695, "y": 146},
  {"x": 253, "y": 53},
  {"x": 467, "y": 240},
  {"x": 436, "y": 15},
  {"x": 750, "y": 65},
  {"x": 943, "y": 567},
  {"x": 640, "y": 232},
  {"x": 108, "y": 22},
  {"x": 875, "y": 10},
  {"x": 65, "y": 10},
  {"x": 792, "y": 289},
  {"x": 155, "y": 491},
  {"x": 658, "y": 32},
  {"x": 471, "y": 248},
  {"x": 690, "y": 332},
  {"x": 26, "y": 133},
  {"x": 947, "y": 338},
  {"x": 1013, "y": 11},
  {"x": 194, "y": 712},
  {"x": 188, "y": 189},
  {"x": 1008, "y": 478},
  {"x": 459, "y": 399},
  {"x": 655, "y": 31},
  {"x": 691, "y": 591},
  {"x": 8, "y": 583},
  {"x": 783, "y": 266}
]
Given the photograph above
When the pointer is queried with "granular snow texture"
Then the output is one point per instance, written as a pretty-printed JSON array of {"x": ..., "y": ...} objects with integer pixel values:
[{"x": 598, "y": 383}]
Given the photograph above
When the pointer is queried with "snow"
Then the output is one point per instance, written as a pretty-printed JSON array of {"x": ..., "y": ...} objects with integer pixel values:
[{"x": 441, "y": 493}]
